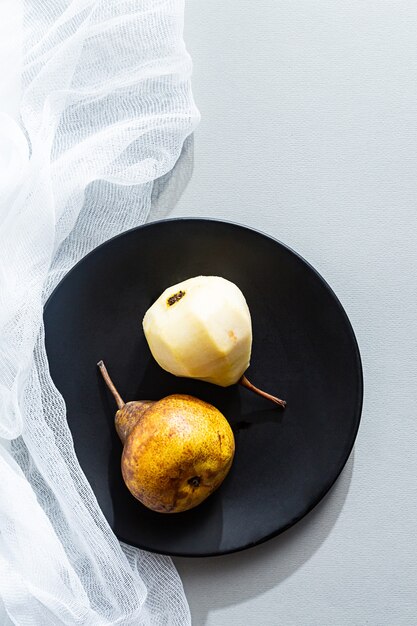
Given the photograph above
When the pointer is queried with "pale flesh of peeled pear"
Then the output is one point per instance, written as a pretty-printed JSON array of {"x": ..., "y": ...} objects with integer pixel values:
[{"x": 201, "y": 328}]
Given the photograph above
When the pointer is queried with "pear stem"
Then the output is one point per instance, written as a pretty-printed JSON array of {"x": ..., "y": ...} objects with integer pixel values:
[
  {"x": 246, "y": 383},
  {"x": 110, "y": 384}
]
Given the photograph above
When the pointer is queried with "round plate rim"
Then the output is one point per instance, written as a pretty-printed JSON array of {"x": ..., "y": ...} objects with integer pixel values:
[{"x": 359, "y": 406}]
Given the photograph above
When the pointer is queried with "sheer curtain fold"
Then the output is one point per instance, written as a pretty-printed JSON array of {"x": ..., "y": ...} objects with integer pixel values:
[{"x": 105, "y": 109}]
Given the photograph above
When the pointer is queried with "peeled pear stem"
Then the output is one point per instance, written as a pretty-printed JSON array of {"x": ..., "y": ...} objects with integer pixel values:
[
  {"x": 246, "y": 383},
  {"x": 120, "y": 403}
]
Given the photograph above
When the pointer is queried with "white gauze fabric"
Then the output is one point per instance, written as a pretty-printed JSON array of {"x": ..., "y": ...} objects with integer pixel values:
[{"x": 106, "y": 106}]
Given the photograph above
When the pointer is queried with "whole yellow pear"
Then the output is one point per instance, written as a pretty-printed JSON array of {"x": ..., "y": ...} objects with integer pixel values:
[{"x": 177, "y": 450}]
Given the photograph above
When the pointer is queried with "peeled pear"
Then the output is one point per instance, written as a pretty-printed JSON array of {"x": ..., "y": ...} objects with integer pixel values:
[
  {"x": 176, "y": 451},
  {"x": 201, "y": 328}
]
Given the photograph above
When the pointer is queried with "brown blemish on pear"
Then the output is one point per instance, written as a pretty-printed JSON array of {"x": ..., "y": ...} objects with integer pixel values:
[
  {"x": 177, "y": 450},
  {"x": 175, "y": 297}
]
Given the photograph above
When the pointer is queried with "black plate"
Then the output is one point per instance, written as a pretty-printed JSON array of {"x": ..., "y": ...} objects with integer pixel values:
[{"x": 304, "y": 350}]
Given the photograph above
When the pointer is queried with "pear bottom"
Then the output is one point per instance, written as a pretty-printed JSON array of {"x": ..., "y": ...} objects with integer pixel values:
[{"x": 179, "y": 452}]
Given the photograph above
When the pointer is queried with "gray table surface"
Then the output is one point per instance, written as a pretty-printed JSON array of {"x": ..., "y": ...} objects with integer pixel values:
[{"x": 309, "y": 133}]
